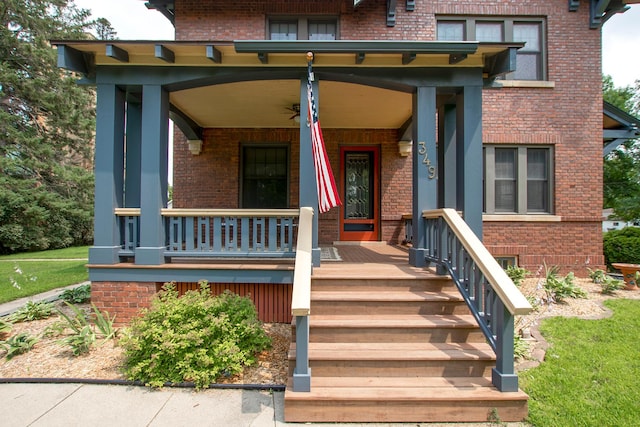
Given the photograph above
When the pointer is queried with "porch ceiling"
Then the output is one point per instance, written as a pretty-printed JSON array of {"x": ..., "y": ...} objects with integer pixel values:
[{"x": 267, "y": 104}]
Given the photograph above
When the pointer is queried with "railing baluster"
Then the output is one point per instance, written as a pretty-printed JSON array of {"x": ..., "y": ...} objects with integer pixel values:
[
  {"x": 273, "y": 233},
  {"x": 244, "y": 233},
  {"x": 217, "y": 234}
]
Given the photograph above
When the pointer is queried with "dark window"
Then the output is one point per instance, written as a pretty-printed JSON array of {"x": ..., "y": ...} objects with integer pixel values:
[
  {"x": 265, "y": 177},
  {"x": 530, "y": 59},
  {"x": 303, "y": 29},
  {"x": 517, "y": 180}
]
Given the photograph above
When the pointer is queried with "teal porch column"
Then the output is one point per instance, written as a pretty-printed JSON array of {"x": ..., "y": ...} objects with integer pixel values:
[
  {"x": 109, "y": 172},
  {"x": 447, "y": 189},
  {"x": 133, "y": 155},
  {"x": 308, "y": 195},
  {"x": 425, "y": 170},
  {"x": 153, "y": 177},
  {"x": 469, "y": 156}
]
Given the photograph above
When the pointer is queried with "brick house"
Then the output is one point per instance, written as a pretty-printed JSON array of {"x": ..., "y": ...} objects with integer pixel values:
[{"x": 491, "y": 109}]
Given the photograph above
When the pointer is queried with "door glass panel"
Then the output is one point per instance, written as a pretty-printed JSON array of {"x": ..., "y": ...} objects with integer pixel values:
[{"x": 358, "y": 185}]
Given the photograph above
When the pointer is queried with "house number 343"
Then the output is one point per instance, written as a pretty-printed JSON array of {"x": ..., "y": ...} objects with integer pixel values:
[{"x": 422, "y": 151}]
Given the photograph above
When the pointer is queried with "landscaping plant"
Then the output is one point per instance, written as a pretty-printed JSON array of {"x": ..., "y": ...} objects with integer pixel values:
[
  {"x": 18, "y": 344},
  {"x": 32, "y": 311},
  {"x": 622, "y": 246},
  {"x": 77, "y": 295},
  {"x": 517, "y": 274},
  {"x": 83, "y": 334},
  {"x": 558, "y": 289},
  {"x": 195, "y": 338},
  {"x": 5, "y": 327},
  {"x": 607, "y": 283}
]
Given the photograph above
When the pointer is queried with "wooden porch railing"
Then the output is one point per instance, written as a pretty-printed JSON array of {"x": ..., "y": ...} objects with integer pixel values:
[
  {"x": 217, "y": 232},
  {"x": 301, "y": 300},
  {"x": 490, "y": 294}
]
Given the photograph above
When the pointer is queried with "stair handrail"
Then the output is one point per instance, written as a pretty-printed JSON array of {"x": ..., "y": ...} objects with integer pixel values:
[
  {"x": 301, "y": 299},
  {"x": 491, "y": 295}
]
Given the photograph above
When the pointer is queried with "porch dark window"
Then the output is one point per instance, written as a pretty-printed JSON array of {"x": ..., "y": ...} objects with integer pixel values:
[
  {"x": 358, "y": 185},
  {"x": 265, "y": 177},
  {"x": 517, "y": 180},
  {"x": 303, "y": 29},
  {"x": 530, "y": 59}
]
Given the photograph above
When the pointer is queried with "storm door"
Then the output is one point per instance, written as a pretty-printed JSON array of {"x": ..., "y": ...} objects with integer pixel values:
[{"x": 359, "y": 185}]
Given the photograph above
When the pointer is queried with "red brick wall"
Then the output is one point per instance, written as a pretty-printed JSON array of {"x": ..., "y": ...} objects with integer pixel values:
[
  {"x": 211, "y": 179},
  {"x": 123, "y": 299},
  {"x": 567, "y": 117}
]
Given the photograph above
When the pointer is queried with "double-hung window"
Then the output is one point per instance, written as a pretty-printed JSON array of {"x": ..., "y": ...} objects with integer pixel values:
[
  {"x": 303, "y": 29},
  {"x": 517, "y": 180},
  {"x": 265, "y": 176},
  {"x": 530, "y": 59}
]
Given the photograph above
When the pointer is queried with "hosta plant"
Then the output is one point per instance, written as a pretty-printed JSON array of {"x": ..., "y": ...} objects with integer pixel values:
[
  {"x": 32, "y": 311},
  {"x": 18, "y": 344}
]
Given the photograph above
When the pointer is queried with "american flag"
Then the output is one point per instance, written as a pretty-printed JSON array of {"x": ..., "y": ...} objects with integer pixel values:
[{"x": 328, "y": 196}]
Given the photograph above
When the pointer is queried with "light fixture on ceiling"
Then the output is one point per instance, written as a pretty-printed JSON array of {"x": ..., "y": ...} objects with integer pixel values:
[
  {"x": 195, "y": 146},
  {"x": 295, "y": 109},
  {"x": 404, "y": 148}
]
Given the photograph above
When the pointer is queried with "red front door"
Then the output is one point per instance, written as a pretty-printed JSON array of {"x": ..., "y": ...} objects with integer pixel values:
[{"x": 360, "y": 192}]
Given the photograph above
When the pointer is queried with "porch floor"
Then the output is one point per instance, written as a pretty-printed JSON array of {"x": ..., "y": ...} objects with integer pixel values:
[{"x": 370, "y": 259}]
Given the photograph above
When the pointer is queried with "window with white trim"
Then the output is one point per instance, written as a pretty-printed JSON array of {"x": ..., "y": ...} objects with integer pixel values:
[
  {"x": 517, "y": 180},
  {"x": 295, "y": 28},
  {"x": 530, "y": 59}
]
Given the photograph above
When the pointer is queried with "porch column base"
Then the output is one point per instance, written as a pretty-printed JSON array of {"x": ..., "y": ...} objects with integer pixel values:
[
  {"x": 150, "y": 256},
  {"x": 315, "y": 257},
  {"x": 104, "y": 254},
  {"x": 417, "y": 257},
  {"x": 302, "y": 382},
  {"x": 504, "y": 382}
]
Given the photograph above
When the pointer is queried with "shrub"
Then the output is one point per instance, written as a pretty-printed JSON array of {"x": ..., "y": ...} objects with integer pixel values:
[
  {"x": 32, "y": 311},
  {"x": 622, "y": 246},
  {"x": 195, "y": 338},
  {"x": 77, "y": 295},
  {"x": 517, "y": 274},
  {"x": 560, "y": 288}
]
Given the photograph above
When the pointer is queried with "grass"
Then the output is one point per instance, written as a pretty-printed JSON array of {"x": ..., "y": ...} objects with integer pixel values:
[
  {"x": 34, "y": 277},
  {"x": 591, "y": 371}
]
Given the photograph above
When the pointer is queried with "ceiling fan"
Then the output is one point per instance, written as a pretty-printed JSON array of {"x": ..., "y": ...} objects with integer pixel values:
[{"x": 295, "y": 109}]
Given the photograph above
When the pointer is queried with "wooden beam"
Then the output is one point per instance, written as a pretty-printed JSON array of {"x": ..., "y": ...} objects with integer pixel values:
[
  {"x": 502, "y": 63},
  {"x": 573, "y": 5},
  {"x": 263, "y": 57},
  {"x": 214, "y": 54},
  {"x": 164, "y": 53},
  {"x": 113, "y": 51},
  {"x": 407, "y": 58},
  {"x": 411, "y": 5},
  {"x": 391, "y": 13},
  {"x": 360, "y": 57},
  {"x": 72, "y": 59}
]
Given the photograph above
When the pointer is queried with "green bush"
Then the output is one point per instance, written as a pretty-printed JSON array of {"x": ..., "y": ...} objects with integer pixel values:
[
  {"x": 622, "y": 246},
  {"x": 195, "y": 338},
  {"x": 77, "y": 295},
  {"x": 32, "y": 311}
]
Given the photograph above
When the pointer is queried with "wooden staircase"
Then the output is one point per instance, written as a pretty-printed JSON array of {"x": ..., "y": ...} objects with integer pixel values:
[{"x": 396, "y": 350}]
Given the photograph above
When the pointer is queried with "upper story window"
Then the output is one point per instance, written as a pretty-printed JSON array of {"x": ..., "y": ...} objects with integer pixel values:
[
  {"x": 517, "y": 180},
  {"x": 530, "y": 59},
  {"x": 303, "y": 29}
]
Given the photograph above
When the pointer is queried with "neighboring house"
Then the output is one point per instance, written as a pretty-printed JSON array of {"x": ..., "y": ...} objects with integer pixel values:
[
  {"x": 609, "y": 222},
  {"x": 500, "y": 101}
]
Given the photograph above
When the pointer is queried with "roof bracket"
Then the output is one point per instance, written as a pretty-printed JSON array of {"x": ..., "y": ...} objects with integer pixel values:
[
  {"x": 113, "y": 51},
  {"x": 74, "y": 60},
  {"x": 411, "y": 5},
  {"x": 573, "y": 5},
  {"x": 391, "y": 13},
  {"x": 407, "y": 58},
  {"x": 455, "y": 58},
  {"x": 501, "y": 63},
  {"x": 214, "y": 54},
  {"x": 189, "y": 128},
  {"x": 360, "y": 57},
  {"x": 263, "y": 57},
  {"x": 165, "y": 54}
]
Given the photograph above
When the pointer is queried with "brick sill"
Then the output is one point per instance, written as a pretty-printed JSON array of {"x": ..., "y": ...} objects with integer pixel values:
[
  {"x": 521, "y": 218},
  {"x": 539, "y": 84}
]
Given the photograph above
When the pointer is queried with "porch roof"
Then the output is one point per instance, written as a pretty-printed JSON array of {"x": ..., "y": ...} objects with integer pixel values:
[{"x": 84, "y": 55}]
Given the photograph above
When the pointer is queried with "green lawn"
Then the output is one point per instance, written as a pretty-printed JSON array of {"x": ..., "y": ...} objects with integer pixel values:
[
  {"x": 591, "y": 371},
  {"x": 44, "y": 274}
]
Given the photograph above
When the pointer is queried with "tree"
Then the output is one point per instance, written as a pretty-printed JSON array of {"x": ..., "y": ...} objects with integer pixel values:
[
  {"x": 104, "y": 30},
  {"x": 46, "y": 130},
  {"x": 622, "y": 166}
]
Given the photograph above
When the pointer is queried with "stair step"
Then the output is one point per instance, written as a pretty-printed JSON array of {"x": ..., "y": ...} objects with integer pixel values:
[
  {"x": 394, "y": 328},
  {"x": 394, "y": 359},
  {"x": 417, "y": 399},
  {"x": 375, "y": 283}
]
